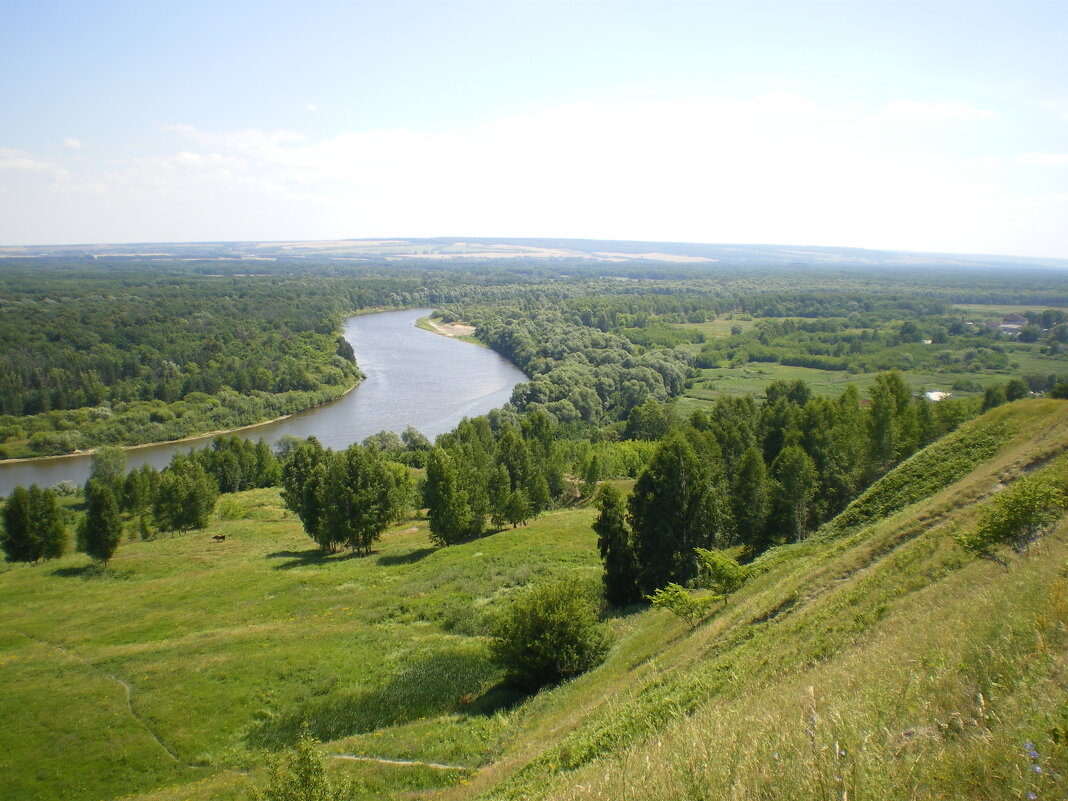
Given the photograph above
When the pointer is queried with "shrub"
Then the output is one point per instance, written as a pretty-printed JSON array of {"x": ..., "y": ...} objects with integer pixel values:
[
  {"x": 301, "y": 776},
  {"x": 549, "y": 634},
  {"x": 682, "y": 603},
  {"x": 719, "y": 572},
  {"x": 1015, "y": 516}
]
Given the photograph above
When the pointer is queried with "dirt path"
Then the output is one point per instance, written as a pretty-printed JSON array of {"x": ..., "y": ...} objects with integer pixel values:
[
  {"x": 402, "y": 762},
  {"x": 121, "y": 682}
]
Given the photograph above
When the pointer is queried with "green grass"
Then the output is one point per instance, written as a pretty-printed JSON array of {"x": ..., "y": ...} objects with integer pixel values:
[
  {"x": 925, "y": 669},
  {"x": 877, "y": 656},
  {"x": 227, "y": 646}
]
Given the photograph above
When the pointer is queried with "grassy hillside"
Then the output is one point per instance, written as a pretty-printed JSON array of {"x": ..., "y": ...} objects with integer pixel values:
[
  {"x": 190, "y": 656},
  {"x": 872, "y": 661},
  {"x": 877, "y": 659}
]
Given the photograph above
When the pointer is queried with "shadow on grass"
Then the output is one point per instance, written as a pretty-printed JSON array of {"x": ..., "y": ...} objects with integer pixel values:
[
  {"x": 93, "y": 570},
  {"x": 312, "y": 556},
  {"x": 619, "y": 612},
  {"x": 501, "y": 696},
  {"x": 409, "y": 558},
  {"x": 434, "y": 684},
  {"x": 85, "y": 571}
]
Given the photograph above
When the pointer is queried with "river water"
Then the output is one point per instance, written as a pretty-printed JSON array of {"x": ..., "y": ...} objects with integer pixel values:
[{"x": 413, "y": 377}]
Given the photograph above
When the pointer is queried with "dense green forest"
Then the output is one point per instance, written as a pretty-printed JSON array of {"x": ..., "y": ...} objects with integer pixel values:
[
  {"x": 125, "y": 352},
  {"x": 616, "y": 484}
]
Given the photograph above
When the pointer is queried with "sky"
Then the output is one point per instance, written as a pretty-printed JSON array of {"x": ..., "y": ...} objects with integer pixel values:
[{"x": 937, "y": 126}]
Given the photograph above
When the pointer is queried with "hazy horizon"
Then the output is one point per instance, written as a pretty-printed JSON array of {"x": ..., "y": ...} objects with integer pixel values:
[{"x": 931, "y": 128}]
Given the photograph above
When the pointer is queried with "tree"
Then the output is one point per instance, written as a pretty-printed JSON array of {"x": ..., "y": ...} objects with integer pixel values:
[
  {"x": 19, "y": 542},
  {"x": 302, "y": 482},
  {"x": 186, "y": 496},
  {"x": 720, "y": 573},
  {"x": 102, "y": 526},
  {"x": 1016, "y": 389},
  {"x": 672, "y": 510},
  {"x": 268, "y": 470},
  {"x": 517, "y": 508},
  {"x": 892, "y": 434},
  {"x": 795, "y": 486},
  {"x": 108, "y": 464},
  {"x": 682, "y": 603},
  {"x": 614, "y": 542},
  {"x": 591, "y": 472},
  {"x": 361, "y": 497},
  {"x": 647, "y": 421},
  {"x": 448, "y": 509},
  {"x": 993, "y": 397},
  {"x": 415, "y": 440},
  {"x": 47, "y": 523},
  {"x": 33, "y": 525},
  {"x": 500, "y": 487},
  {"x": 750, "y": 497},
  {"x": 548, "y": 634}
]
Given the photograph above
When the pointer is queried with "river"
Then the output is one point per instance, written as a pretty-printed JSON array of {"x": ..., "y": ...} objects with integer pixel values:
[{"x": 413, "y": 377}]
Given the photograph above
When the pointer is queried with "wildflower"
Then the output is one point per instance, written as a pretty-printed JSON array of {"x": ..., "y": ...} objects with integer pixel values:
[
  {"x": 1036, "y": 768},
  {"x": 1031, "y": 796}
]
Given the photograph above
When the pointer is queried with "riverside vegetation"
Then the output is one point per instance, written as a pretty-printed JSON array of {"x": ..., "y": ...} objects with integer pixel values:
[{"x": 869, "y": 595}]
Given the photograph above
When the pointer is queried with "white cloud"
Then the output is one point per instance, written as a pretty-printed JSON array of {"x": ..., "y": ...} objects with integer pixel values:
[
  {"x": 72, "y": 143},
  {"x": 250, "y": 141},
  {"x": 1044, "y": 159},
  {"x": 919, "y": 111},
  {"x": 20, "y": 161},
  {"x": 311, "y": 107},
  {"x": 774, "y": 168},
  {"x": 985, "y": 161}
]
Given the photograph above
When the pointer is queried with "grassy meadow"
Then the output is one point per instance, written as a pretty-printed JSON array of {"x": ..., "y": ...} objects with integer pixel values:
[
  {"x": 876, "y": 659},
  {"x": 225, "y": 647},
  {"x": 753, "y": 377}
]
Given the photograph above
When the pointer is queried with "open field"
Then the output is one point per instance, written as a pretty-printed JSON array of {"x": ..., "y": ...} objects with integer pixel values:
[
  {"x": 1022, "y": 359},
  {"x": 190, "y": 655}
]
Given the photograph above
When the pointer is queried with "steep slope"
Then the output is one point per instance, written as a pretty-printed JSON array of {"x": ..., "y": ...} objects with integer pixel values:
[{"x": 876, "y": 660}]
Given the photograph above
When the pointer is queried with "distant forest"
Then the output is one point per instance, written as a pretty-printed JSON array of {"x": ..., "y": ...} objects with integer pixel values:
[{"x": 123, "y": 351}]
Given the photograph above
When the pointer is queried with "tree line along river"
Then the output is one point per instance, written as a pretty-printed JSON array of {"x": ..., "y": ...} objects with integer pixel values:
[{"x": 413, "y": 378}]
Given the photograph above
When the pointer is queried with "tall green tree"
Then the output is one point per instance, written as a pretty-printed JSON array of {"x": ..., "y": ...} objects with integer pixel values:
[
  {"x": 362, "y": 497},
  {"x": 303, "y": 474},
  {"x": 795, "y": 487},
  {"x": 19, "y": 540},
  {"x": 751, "y": 501},
  {"x": 186, "y": 496},
  {"x": 102, "y": 525},
  {"x": 33, "y": 525},
  {"x": 451, "y": 518},
  {"x": 47, "y": 522},
  {"x": 672, "y": 510},
  {"x": 892, "y": 427},
  {"x": 617, "y": 552},
  {"x": 108, "y": 464}
]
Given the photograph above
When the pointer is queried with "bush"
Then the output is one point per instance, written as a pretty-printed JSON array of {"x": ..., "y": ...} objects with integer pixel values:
[
  {"x": 719, "y": 572},
  {"x": 302, "y": 777},
  {"x": 1016, "y": 516},
  {"x": 549, "y": 634},
  {"x": 682, "y": 603}
]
